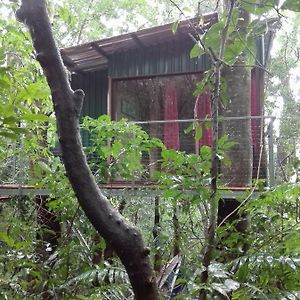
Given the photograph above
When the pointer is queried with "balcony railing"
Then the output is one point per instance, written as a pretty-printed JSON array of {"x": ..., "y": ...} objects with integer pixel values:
[
  {"x": 257, "y": 146},
  {"x": 174, "y": 134}
]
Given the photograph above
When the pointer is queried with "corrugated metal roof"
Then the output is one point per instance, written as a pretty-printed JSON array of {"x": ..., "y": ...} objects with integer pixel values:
[{"x": 95, "y": 55}]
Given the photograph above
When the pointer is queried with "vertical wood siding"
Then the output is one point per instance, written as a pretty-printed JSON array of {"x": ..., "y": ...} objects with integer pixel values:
[
  {"x": 168, "y": 58},
  {"x": 95, "y": 85}
]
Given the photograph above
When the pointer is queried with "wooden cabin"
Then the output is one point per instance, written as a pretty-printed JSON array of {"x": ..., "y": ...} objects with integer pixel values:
[{"x": 148, "y": 76}]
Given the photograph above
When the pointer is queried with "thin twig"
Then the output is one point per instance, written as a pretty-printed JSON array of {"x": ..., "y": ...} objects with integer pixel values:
[
  {"x": 84, "y": 21},
  {"x": 71, "y": 223}
]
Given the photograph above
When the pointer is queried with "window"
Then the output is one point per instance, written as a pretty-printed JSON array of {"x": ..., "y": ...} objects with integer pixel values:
[{"x": 164, "y": 98}]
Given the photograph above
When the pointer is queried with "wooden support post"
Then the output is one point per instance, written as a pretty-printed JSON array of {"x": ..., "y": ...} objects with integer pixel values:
[
  {"x": 109, "y": 98},
  {"x": 271, "y": 153}
]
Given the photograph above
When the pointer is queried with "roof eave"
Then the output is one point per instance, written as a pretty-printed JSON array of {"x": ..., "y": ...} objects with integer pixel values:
[{"x": 95, "y": 55}]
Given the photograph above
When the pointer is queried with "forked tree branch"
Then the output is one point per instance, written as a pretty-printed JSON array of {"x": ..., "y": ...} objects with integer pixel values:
[{"x": 124, "y": 237}]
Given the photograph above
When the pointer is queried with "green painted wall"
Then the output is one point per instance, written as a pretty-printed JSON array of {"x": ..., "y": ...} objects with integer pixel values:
[
  {"x": 95, "y": 85},
  {"x": 167, "y": 58}
]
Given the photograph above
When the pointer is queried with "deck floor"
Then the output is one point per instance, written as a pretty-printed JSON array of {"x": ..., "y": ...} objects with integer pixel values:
[{"x": 114, "y": 189}]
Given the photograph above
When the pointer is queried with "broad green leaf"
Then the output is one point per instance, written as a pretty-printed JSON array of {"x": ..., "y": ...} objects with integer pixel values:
[
  {"x": 10, "y": 120},
  {"x": 243, "y": 272},
  {"x": 198, "y": 133},
  {"x": 201, "y": 21},
  {"x": 292, "y": 242},
  {"x": 233, "y": 50},
  {"x": 19, "y": 130},
  {"x": 64, "y": 14},
  {"x": 102, "y": 118},
  {"x": 169, "y": 154},
  {"x": 37, "y": 170},
  {"x": 36, "y": 117},
  {"x": 293, "y": 5},
  {"x": 221, "y": 288},
  {"x": 34, "y": 91},
  {"x": 204, "y": 83},
  {"x": 101, "y": 244},
  {"x": 4, "y": 84},
  {"x": 187, "y": 10},
  {"x": 9, "y": 135},
  {"x": 241, "y": 294},
  {"x": 116, "y": 149},
  {"x": 208, "y": 124},
  {"x": 258, "y": 26},
  {"x": 43, "y": 166},
  {"x": 224, "y": 92},
  {"x": 190, "y": 128},
  {"x": 22, "y": 244},
  {"x": 197, "y": 50},
  {"x": 8, "y": 240},
  {"x": 89, "y": 275},
  {"x": 218, "y": 270},
  {"x": 175, "y": 26},
  {"x": 222, "y": 141},
  {"x": 200, "y": 88},
  {"x": 211, "y": 38},
  {"x": 169, "y": 193},
  {"x": 7, "y": 110},
  {"x": 258, "y": 7},
  {"x": 250, "y": 51},
  {"x": 205, "y": 152}
]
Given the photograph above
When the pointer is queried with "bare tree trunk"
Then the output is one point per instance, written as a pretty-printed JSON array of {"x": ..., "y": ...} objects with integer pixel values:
[
  {"x": 124, "y": 237},
  {"x": 156, "y": 235},
  {"x": 239, "y": 173},
  {"x": 176, "y": 231},
  {"x": 154, "y": 131}
]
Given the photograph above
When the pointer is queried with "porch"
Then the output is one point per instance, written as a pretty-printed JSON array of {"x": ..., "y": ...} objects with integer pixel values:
[{"x": 263, "y": 161}]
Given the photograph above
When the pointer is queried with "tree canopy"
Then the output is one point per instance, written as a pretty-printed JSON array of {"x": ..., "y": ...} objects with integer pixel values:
[{"x": 76, "y": 241}]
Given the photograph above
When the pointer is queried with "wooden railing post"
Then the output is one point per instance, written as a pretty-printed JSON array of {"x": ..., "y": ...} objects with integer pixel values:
[{"x": 271, "y": 173}]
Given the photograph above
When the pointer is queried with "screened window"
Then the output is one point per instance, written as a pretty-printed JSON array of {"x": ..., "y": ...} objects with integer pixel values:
[{"x": 165, "y": 98}]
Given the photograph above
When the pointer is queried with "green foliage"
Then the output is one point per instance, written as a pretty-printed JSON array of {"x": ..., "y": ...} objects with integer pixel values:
[
  {"x": 259, "y": 8},
  {"x": 282, "y": 97},
  {"x": 18, "y": 90},
  {"x": 270, "y": 269},
  {"x": 192, "y": 176},
  {"x": 238, "y": 41},
  {"x": 293, "y": 5},
  {"x": 205, "y": 83},
  {"x": 197, "y": 50},
  {"x": 101, "y": 19},
  {"x": 175, "y": 26},
  {"x": 25, "y": 107},
  {"x": 118, "y": 148}
]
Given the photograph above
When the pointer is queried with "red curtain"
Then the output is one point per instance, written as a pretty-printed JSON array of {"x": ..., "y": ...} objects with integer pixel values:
[{"x": 202, "y": 110}]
